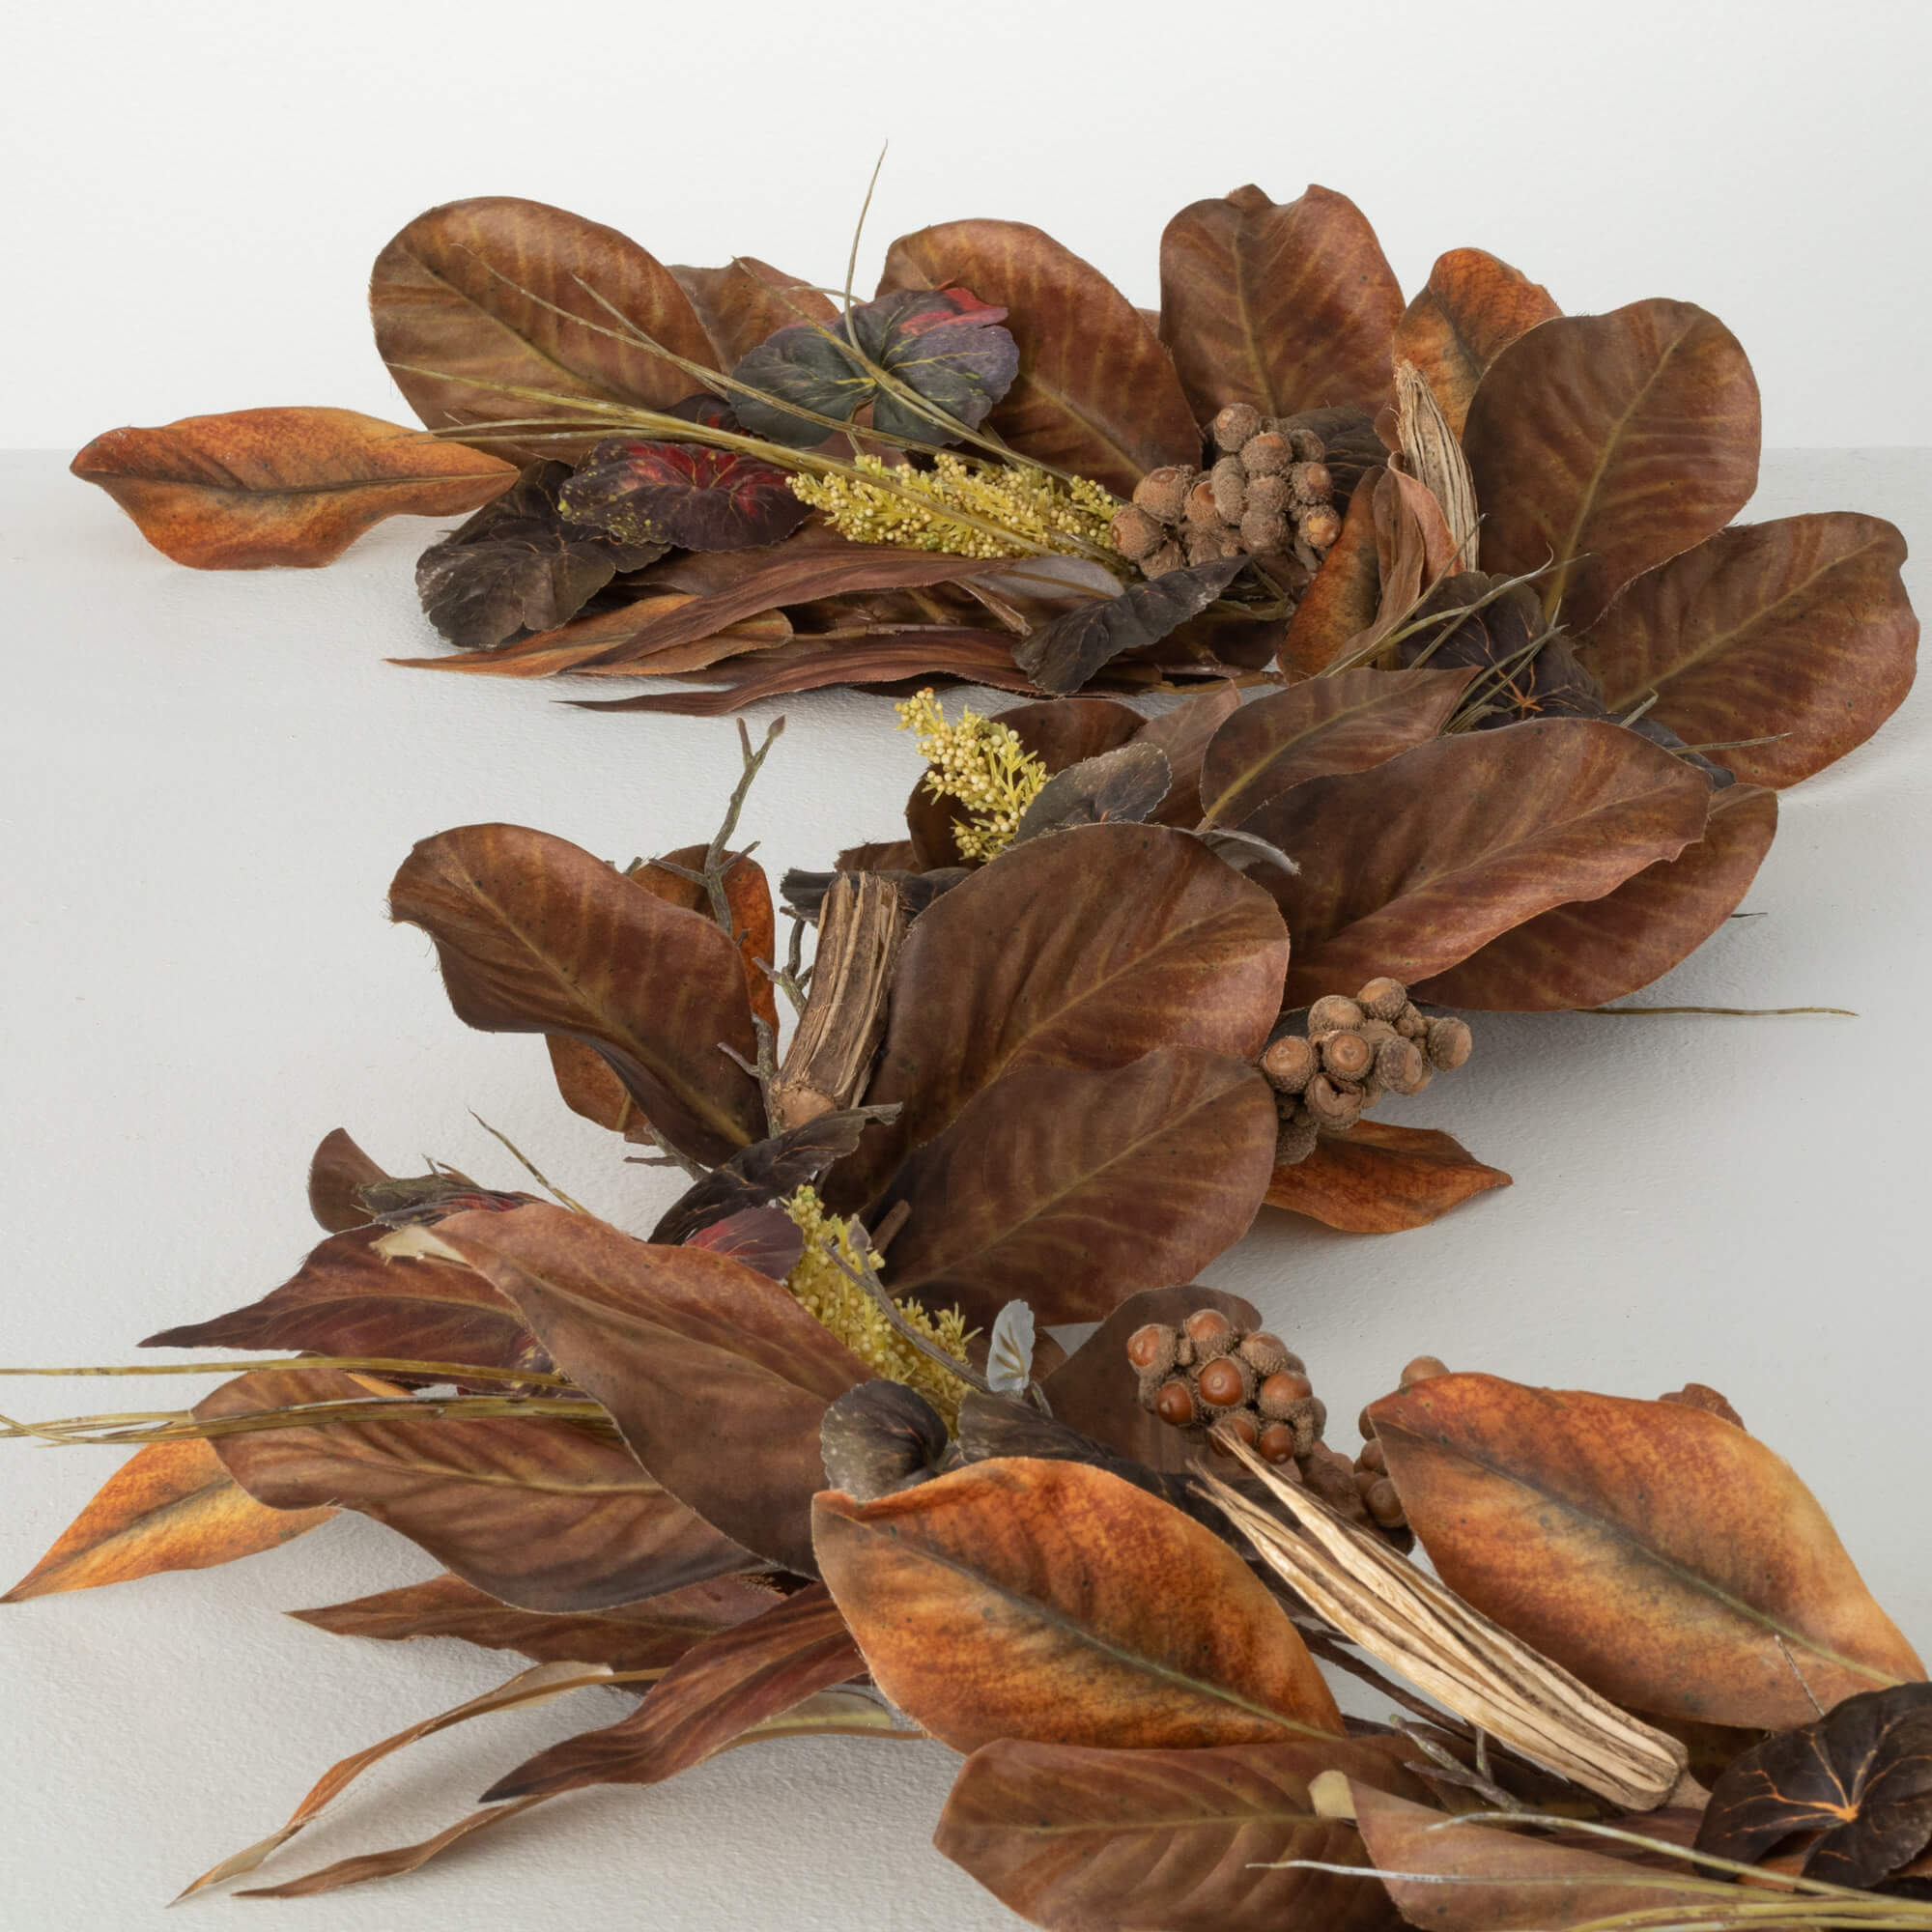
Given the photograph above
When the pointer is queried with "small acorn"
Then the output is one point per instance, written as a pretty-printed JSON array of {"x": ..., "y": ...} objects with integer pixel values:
[
  {"x": 1334, "y": 1106},
  {"x": 1268, "y": 1354},
  {"x": 1332, "y": 1012},
  {"x": 1322, "y": 527},
  {"x": 1151, "y": 1348},
  {"x": 1136, "y": 534},
  {"x": 1272, "y": 495},
  {"x": 1282, "y": 1393},
  {"x": 1225, "y": 1383},
  {"x": 1174, "y": 1404},
  {"x": 1212, "y": 1333},
  {"x": 1277, "y": 1446},
  {"x": 1240, "y": 1425},
  {"x": 1264, "y": 530},
  {"x": 1311, "y": 482},
  {"x": 1229, "y": 482},
  {"x": 1423, "y": 1369},
  {"x": 1400, "y": 1066},
  {"x": 1296, "y": 1138},
  {"x": 1383, "y": 999},
  {"x": 1347, "y": 1054},
  {"x": 1235, "y": 425},
  {"x": 1290, "y": 1062},
  {"x": 1163, "y": 493},
  {"x": 1268, "y": 454},
  {"x": 1447, "y": 1042},
  {"x": 1307, "y": 446}
]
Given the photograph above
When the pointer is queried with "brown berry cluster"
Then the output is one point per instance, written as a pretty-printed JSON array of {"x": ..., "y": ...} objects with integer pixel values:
[
  {"x": 1269, "y": 494},
  {"x": 1207, "y": 1372},
  {"x": 1354, "y": 1052},
  {"x": 1380, "y": 1501}
]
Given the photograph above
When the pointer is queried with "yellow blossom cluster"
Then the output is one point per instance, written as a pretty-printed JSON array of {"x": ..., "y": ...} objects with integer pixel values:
[
  {"x": 831, "y": 1296},
  {"x": 982, "y": 764},
  {"x": 1036, "y": 508}
]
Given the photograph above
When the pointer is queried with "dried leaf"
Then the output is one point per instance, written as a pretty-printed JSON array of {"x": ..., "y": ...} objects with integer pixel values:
[
  {"x": 1671, "y": 1561},
  {"x": 1378, "y": 1179},
  {"x": 1086, "y": 1840},
  {"x": 1285, "y": 305},
  {"x": 765, "y": 1238},
  {"x": 681, "y": 494},
  {"x": 1414, "y": 549},
  {"x": 1120, "y": 786},
  {"x": 1574, "y": 431},
  {"x": 1797, "y": 629},
  {"x": 534, "y": 935},
  {"x": 1432, "y": 456},
  {"x": 881, "y": 1438},
  {"x": 1471, "y": 308},
  {"x": 716, "y": 1378},
  {"x": 456, "y": 327},
  {"x": 1063, "y": 655},
  {"x": 1096, "y": 393},
  {"x": 170, "y": 1506},
  {"x": 1411, "y": 866},
  {"x": 742, "y": 305},
  {"x": 717, "y": 1690},
  {"x": 389, "y": 1863},
  {"x": 1183, "y": 734},
  {"x": 542, "y": 1515},
  {"x": 1859, "y": 1778},
  {"x": 1008, "y": 1352},
  {"x": 1010, "y": 1600},
  {"x": 1599, "y": 950},
  {"x": 336, "y": 1170},
  {"x": 1340, "y": 606},
  {"x": 1346, "y": 723},
  {"x": 763, "y": 1173},
  {"x": 1072, "y": 1187},
  {"x": 286, "y": 486}
]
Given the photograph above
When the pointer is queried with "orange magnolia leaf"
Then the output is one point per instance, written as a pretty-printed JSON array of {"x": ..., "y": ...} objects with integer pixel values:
[
  {"x": 1011, "y": 1599},
  {"x": 1096, "y": 393},
  {"x": 1378, "y": 1179},
  {"x": 1798, "y": 630},
  {"x": 1084, "y": 1840},
  {"x": 1671, "y": 1561},
  {"x": 742, "y": 305},
  {"x": 1285, "y": 305},
  {"x": 1471, "y": 308},
  {"x": 1599, "y": 950},
  {"x": 1340, "y": 606},
  {"x": 285, "y": 486},
  {"x": 1605, "y": 443},
  {"x": 170, "y": 1506}
]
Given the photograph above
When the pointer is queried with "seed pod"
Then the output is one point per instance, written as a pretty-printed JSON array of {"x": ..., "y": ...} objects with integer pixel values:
[
  {"x": 1410, "y": 1024},
  {"x": 1347, "y": 1054},
  {"x": 1272, "y": 495},
  {"x": 1212, "y": 1333},
  {"x": 1332, "y": 1012},
  {"x": 1135, "y": 534},
  {"x": 1400, "y": 1066},
  {"x": 1282, "y": 1393},
  {"x": 1261, "y": 532},
  {"x": 1423, "y": 1369},
  {"x": 1241, "y": 1424},
  {"x": 1322, "y": 527},
  {"x": 1176, "y": 1405},
  {"x": 1373, "y": 1457},
  {"x": 1268, "y": 1354},
  {"x": 1384, "y": 999},
  {"x": 1204, "y": 544},
  {"x": 1225, "y": 1383},
  {"x": 1267, "y": 454},
  {"x": 1199, "y": 507},
  {"x": 1385, "y": 1505},
  {"x": 1277, "y": 1444},
  {"x": 1169, "y": 556},
  {"x": 1310, "y": 482},
  {"x": 1163, "y": 493},
  {"x": 1365, "y": 1481},
  {"x": 1336, "y": 1108},
  {"x": 1289, "y": 1063},
  {"x": 1151, "y": 1348},
  {"x": 1229, "y": 482},
  {"x": 1235, "y": 425},
  {"x": 1448, "y": 1043},
  {"x": 1295, "y": 1139},
  {"x": 1308, "y": 447}
]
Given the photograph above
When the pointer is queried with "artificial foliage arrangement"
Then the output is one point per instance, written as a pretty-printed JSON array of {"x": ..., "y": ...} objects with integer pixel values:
[{"x": 805, "y": 1457}]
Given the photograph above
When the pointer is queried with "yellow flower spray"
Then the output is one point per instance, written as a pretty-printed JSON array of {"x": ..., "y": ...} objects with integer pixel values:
[{"x": 982, "y": 764}]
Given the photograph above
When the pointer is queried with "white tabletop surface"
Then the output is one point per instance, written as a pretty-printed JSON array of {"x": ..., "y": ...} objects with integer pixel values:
[{"x": 207, "y": 783}]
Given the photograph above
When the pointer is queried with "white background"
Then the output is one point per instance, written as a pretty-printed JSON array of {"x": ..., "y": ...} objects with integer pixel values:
[{"x": 206, "y": 781}]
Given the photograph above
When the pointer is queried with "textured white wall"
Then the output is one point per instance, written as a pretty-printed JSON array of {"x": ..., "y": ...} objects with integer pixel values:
[{"x": 195, "y": 191}]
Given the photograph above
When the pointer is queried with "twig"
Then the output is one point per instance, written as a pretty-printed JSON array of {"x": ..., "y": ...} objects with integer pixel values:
[
  {"x": 668, "y": 1155},
  {"x": 868, "y": 1279}
]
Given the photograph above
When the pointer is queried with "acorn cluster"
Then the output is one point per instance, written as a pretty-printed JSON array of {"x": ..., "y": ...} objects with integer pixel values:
[
  {"x": 1269, "y": 494},
  {"x": 1354, "y": 1052},
  {"x": 1369, "y": 1473}
]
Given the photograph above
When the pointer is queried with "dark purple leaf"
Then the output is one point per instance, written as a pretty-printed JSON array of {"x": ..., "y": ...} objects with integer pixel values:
[
  {"x": 1063, "y": 655},
  {"x": 765, "y": 1238},
  {"x": 1127, "y": 783},
  {"x": 683, "y": 494}
]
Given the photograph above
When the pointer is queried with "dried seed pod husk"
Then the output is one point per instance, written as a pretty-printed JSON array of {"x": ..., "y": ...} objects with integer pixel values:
[
  {"x": 1347, "y": 1056},
  {"x": 1163, "y": 493},
  {"x": 1151, "y": 1348},
  {"x": 1448, "y": 1041},
  {"x": 1136, "y": 534},
  {"x": 1234, "y": 425},
  {"x": 1212, "y": 1333},
  {"x": 1332, "y": 1012},
  {"x": 1267, "y": 1354},
  {"x": 1334, "y": 1107},
  {"x": 1295, "y": 1139},
  {"x": 1267, "y": 455},
  {"x": 1226, "y": 1382},
  {"x": 1384, "y": 999},
  {"x": 1290, "y": 1062},
  {"x": 1400, "y": 1066},
  {"x": 1282, "y": 1393}
]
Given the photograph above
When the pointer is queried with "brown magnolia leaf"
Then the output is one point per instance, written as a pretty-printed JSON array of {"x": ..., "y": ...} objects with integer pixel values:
[
  {"x": 1606, "y": 444},
  {"x": 542, "y": 1515},
  {"x": 170, "y": 1506},
  {"x": 534, "y": 935},
  {"x": 1096, "y": 1392},
  {"x": 1185, "y": 735},
  {"x": 1798, "y": 630},
  {"x": 1068, "y": 1188},
  {"x": 1084, "y": 950},
  {"x": 1346, "y": 723},
  {"x": 1086, "y": 1840},
  {"x": 1340, "y": 606},
  {"x": 348, "y": 1298},
  {"x": 336, "y": 1169},
  {"x": 1011, "y": 1599},
  {"x": 1378, "y": 1179},
  {"x": 464, "y": 303},
  {"x": 1599, "y": 950},
  {"x": 1410, "y": 866},
  {"x": 1096, "y": 393},
  {"x": 716, "y": 1378},
  {"x": 1285, "y": 305},
  {"x": 742, "y": 304},
  {"x": 649, "y": 1634},
  {"x": 715, "y": 1691},
  {"x": 1671, "y": 1561},
  {"x": 1488, "y": 1878},
  {"x": 282, "y": 486},
  {"x": 1857, "y": 1782},
  {"x": 1471, "y": 308}
]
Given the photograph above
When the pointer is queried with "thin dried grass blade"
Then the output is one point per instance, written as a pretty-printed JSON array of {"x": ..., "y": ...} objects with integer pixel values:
[
  {"x": 391, "y": 1863},
  {"x": 1409, "y": 1622}
]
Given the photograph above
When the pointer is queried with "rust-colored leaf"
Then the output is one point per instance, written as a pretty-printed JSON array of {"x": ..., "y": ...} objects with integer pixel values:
[
  {"x": 284, "y": 486},
  {"x": 1340, "y": 606},
  {"x": 1068, "y": 1188},
  {"x": 542, "y": 1515},
  {"x": 170, "y": 1506},
  {"x": 1011, "y": 1599},
  {"x": 1086, "y": 949},
  {"x": 1378, "y": 1179},
  {"x": 466, "y": 300},
  {"x": 534, "y": 935},
  {"x": 1084, "y": 1840},
  {"x": 336, "y": 1169},
  {"x": 717, "y": 1379},
  {"x": 1347, "y": 722},
  {"x": 1798, "y": 630},
  {"x": 1606, "y": 444},
  {"x": 1470, "y": 309},
  {"x": 1599, "y": 950},
  {"x": 650, "y": 1634},
  {"x": 1096, "y": 393},
  {"x": 1185, "y": 735},
  {"x": 391, "y": 1864},
  {"x": 1411, "y": 866},
  {"x": 1671, "y": 1561},
  {"x": 716, "y": 1691},
  {"x": 742, "y": 305},
  {"x": 1287, "y": 305}
]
